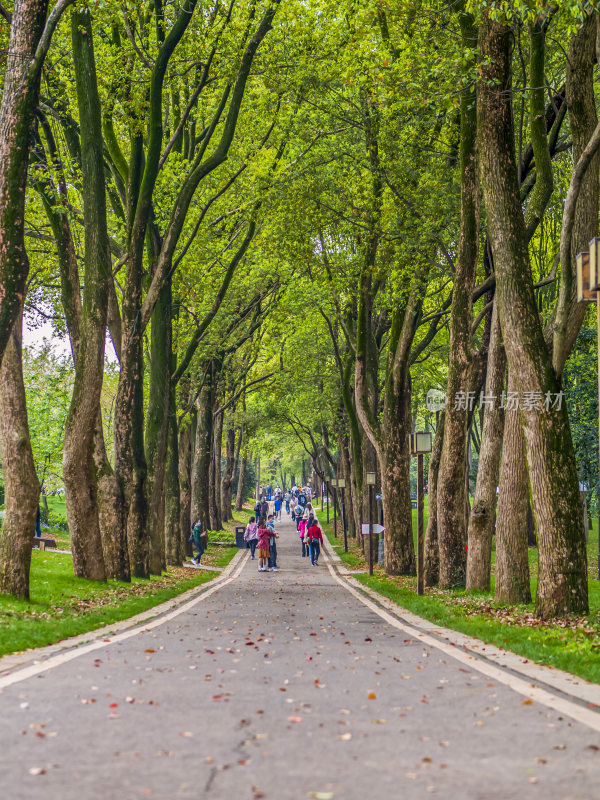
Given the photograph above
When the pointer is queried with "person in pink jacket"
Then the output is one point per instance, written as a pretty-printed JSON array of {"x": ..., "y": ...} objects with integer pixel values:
[{"x": 303, "y": 537}]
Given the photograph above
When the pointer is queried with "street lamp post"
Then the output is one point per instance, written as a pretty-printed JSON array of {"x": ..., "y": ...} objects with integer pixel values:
[
  {"x": 334, "y": 484},
  {"x": 371, "y": 478},
  {"x": 420, "y": 443},
  {"x": 341, "y": 485}
]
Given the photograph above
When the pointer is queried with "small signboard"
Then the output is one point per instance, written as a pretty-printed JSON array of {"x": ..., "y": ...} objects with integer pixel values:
[{"x": 377, "y": 528}]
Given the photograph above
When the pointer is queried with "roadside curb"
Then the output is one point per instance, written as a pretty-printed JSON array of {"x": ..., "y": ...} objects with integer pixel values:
[
  {"x": 571, "y": 686},
  {"x": 13, "y": 661}
]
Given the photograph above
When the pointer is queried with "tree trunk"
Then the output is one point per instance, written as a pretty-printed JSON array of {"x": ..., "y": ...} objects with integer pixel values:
[
  {"x": 395, "y": 484},
  {"x": 239, "y": 498},
  {"x": 157, "y": 425},
  {"x": 215, "y": 475},
  {"x": 512, "y": 560},
  {"x": 350, "y": 495},
  {"x": 200, "y": 505},
  {"x": 452, "y": 495},
  {"x": 227, "y": 479},
  {"x": 21, "y": 485},
  {"x": 562, "y": 582},
  {"x": 185, "y": 484},
  {"x": 130, "y": 461},
  {"x": 174, "y": 550},
  {"x": 483, "y": 515},
  {"x": 111, "y": 512},
  {"x": 432, "y": 550},
  {"x": 81, "y": 490},
  {"x": 20, "y": 93}
]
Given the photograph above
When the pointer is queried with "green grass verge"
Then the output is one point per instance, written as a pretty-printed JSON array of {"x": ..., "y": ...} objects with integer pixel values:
[
  {"x": 571, "y": 644},
  {"x": 62, "y": 605}
]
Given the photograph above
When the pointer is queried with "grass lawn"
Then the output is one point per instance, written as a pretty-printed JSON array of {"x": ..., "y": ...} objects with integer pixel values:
[
  {"x": 571, "y": 644},
  {"x": 62, "y": 605}
]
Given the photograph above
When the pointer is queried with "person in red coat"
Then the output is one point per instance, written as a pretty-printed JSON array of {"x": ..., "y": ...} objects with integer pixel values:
[{"x": 315, "y": 540}]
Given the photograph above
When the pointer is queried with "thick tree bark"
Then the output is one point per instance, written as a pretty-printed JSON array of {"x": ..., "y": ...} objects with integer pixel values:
[
  {"x": 483, "y": 514},
  {"x": 352, "y": 513},
  {"x": 239, "y": 497},
  {"x": 227, "y": 479},
  {"x": 215, "y": 475},
  {"x": 21, "y": 485},
  {"x": 200, "y": 504},
  {"x": 452, "y": 495},
  {"x": 157, "y": 424},
  {"x": 173, "y": 537},
  {"x": 512, "y": 562},
  {"x": 562, "y": 583},
  {"x": 111, "y": 512},
  {"x": 395, "y": 484},
  {"x": 78, "y": 454},
  {"x": 432, "y": 550},
  {"x": 185, "y": 484}
]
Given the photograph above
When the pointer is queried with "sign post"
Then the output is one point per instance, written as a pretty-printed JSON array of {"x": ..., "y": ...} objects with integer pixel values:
[{"x": 334, "y": 484}]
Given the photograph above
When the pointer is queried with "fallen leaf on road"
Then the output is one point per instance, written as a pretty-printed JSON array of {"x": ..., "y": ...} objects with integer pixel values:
[
  {"x": 186, "y": 733},
  {"x": 379, "y": 721},
  {"x": 150, "y": 650},
  {"x": 527, "y": 703},
  {"x": 294, "y": 719},
  {"x": 37, "y": 771},
  {"x": 345, "y": 737},
  {"x": 320, "y": 795},
  {"x": 372, "y": 696}
]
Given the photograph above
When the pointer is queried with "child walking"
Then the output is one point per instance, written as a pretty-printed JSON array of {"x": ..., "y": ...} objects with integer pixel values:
[
  {"x": 263, "y": 545},
  {"x": 272, "y": 544}
]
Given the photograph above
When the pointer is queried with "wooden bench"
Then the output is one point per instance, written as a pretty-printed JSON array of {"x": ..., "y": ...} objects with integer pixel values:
[{"x": 44, "y": 542}]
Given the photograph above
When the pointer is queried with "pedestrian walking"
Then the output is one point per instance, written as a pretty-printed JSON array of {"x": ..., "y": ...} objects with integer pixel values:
[
  {"x": 308, "y": 511},
  {"x": 199, "y": 539},
  {"x": 293, "y": 508},
  {"x": 272, "y": 564},
  {"x": 251, "y": 536},
  {"x": 264, "y": 509},
  {"x": 263, "y": 545},
  {"x": 315, "y": 540},
  {"x": 287, "y": 497},
  {"x": 277, "y": 506},
  {"x": 303, "y": 536}
]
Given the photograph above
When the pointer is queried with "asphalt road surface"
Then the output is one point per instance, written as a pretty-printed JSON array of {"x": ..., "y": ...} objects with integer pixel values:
[{"x": 283, "y": 686}]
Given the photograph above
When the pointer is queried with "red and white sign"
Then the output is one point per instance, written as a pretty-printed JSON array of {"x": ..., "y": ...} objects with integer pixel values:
[{"x": 377, "y": 528}]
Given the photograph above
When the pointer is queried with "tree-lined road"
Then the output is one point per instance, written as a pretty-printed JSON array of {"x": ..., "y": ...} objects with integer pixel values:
[{"x": 285, "y": 686}]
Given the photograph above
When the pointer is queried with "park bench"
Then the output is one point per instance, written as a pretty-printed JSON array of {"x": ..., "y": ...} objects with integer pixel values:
[{"x": 44, "y": 542}]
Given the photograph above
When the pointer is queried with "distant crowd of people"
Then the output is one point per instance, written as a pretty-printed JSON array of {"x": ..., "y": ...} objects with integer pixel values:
[{"x": 261, "y": 534}]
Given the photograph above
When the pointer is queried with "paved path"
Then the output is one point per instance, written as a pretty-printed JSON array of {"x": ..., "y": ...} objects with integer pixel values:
[{"x": 283, "y": 686}]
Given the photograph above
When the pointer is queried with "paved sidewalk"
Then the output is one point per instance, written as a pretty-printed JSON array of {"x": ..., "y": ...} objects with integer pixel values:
[{"x": 284, "y": 686}]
